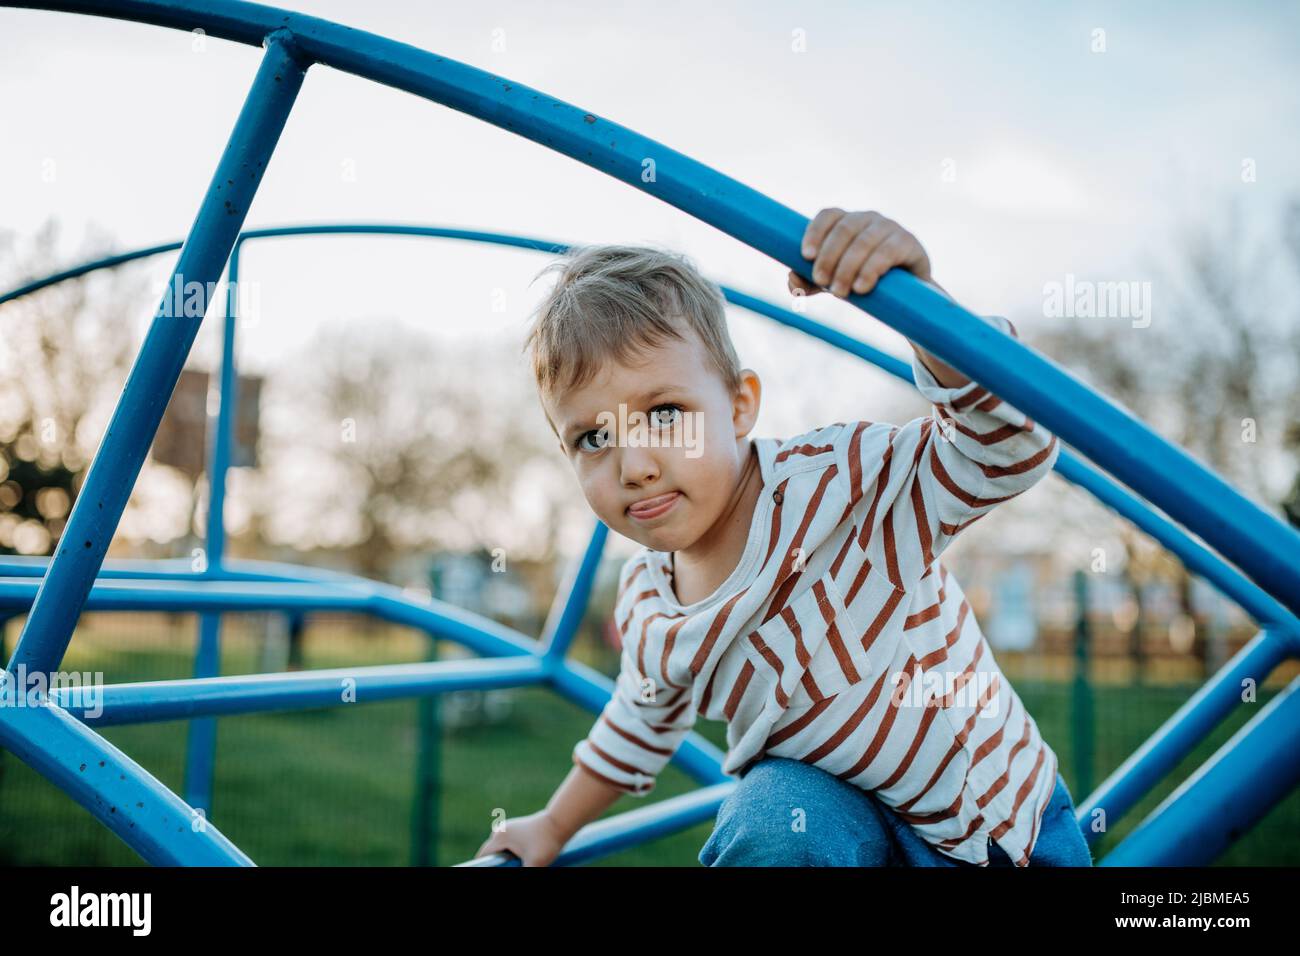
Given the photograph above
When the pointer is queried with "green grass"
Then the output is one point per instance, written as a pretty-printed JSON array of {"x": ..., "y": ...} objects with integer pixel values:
[{"x": 335, "y": 786}]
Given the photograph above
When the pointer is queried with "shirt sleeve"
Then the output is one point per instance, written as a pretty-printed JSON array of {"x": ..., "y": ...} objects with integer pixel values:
[
  {"x": 637, "y": 733},
  {"x": 921, "y": 484}
]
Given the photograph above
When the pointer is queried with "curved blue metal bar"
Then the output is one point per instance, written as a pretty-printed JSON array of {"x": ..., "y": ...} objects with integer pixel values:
[
  {"x": 121, "y": 794},
  {"x": 567, "y": 613},
  {"x": 481, "y": 634},
  {"x": 328, "y": 229},
  {"x": 629, "y": 829},
  {"x": 116, "y": 465},
  {"x": 1211, "y": 801},
  {"x": 1262, "y": 546},
  {"x": 152, "y": 701},
  {"x": 168, "y": 569},
  {"x": 1179, "y": 735}
]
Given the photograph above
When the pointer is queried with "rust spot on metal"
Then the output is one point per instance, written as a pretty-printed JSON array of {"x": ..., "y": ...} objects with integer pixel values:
[{"x": 588, "y": 118}]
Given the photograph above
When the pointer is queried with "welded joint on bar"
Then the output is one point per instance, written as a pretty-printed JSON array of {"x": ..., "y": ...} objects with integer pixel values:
[
  {"x": 1287, "y": 632},
  {"x": 284, "y": 38}
]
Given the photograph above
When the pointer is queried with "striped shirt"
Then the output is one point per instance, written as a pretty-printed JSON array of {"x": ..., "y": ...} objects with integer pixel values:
[{"x": 840, "y": 639}]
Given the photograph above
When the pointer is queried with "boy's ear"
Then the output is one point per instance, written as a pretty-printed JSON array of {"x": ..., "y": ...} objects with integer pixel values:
[{"x": 747, "y": 401}]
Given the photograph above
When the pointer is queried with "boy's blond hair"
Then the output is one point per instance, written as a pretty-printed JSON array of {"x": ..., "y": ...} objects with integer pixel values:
[{"x": 612, "y": 302}]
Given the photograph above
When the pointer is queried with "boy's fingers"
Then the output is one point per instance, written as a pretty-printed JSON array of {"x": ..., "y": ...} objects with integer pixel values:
[
  {"x": 833, "y": 246},
  {"x": 857, "y": 254},
  {"x": 888, "y": 254},
  {"x": 817, "y": 229}
]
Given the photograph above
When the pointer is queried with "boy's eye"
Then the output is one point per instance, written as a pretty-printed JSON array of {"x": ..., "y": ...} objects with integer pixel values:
[
  {"x": 665, "y": 421},
  {"x": 602, "y": 439}
]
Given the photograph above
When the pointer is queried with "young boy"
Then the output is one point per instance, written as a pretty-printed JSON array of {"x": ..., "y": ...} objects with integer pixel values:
[{"x": 791, "y": 588}]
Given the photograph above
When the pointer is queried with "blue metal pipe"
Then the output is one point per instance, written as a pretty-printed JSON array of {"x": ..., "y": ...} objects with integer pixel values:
[
  {"x": 571, "y": 600},
  {"x": 151, "y": 701},
  {"x": 108, "y": 262},
  {"x": 629, "y": 829},
  {"x": 1179, "y": 735},
  {"x": 326, "y": 229},
  {"x": 480, "y": 634},
  {"x": 119, "y": 792},
  {"x": 223, "y": 427},
  {"x": 177, "y": 596},
  {"x": 201, "y": 735},
  {"x": 116, "y": 465},
  {"x": 201, "y": 747},
  {"x": 1212, "y": 808},
  {"x": 181, "y": 569}
]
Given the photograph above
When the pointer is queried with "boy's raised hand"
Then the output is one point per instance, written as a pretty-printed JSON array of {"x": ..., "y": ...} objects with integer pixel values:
[{"x": 852, "y": 250}]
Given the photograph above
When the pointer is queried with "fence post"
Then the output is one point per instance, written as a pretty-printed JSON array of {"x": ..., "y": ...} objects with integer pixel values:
[
  {"x": 428, "y": 789},
  {"x": 4, "y": 656},
  {"x": 1081, "y": 710}
]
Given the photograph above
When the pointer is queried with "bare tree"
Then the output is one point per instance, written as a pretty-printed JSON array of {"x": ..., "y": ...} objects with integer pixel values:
[
  {"x": 1217, "y": 371},
  {"x": 64, "y": 354},
  {"x": 379, "y": 441}
]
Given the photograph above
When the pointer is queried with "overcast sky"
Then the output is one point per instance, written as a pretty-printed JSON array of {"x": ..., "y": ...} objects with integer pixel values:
[{"x": 1066, "y": 159}]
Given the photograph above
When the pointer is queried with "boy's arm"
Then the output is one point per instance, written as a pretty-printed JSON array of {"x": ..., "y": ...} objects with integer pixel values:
[
  {"x": 943, "y": 373},
  {"x": 579, "y": 800},
  {"x": 635, "y": 735},
  {"x": 933, "y": 477},
  {"x": 637, "y": 732}
]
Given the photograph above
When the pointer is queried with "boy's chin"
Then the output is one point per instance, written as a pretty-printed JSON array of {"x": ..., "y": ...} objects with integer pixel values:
[{"x": 656, "y": 539}]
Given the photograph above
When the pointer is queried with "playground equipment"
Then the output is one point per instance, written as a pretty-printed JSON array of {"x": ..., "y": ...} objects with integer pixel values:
[{"x": 1229, "y": 793}]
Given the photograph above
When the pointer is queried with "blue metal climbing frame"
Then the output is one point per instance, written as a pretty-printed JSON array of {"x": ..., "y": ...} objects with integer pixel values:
[{"x": 1246, "y": 777}]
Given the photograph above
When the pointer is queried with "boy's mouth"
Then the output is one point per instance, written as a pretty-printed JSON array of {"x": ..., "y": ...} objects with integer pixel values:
[{"x": 653, "y": 507}]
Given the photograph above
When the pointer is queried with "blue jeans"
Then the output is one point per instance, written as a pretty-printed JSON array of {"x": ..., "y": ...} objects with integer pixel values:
[{"x": 847, "y": 826}]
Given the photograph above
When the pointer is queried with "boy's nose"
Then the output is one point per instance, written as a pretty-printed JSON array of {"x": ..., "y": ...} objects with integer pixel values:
[{"x": 638, "y": 465}]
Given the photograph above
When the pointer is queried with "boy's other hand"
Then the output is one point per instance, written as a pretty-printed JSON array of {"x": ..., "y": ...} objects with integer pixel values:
[
  {"x": 852, "y": 250},
  {"x": 536, "y": 839}
]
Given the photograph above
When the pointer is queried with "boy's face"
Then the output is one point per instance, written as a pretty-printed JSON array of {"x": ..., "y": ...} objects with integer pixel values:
[{"x": 680, "y": 435}]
